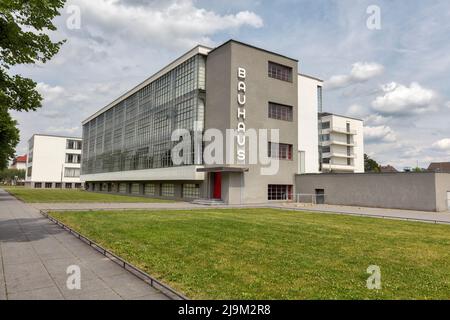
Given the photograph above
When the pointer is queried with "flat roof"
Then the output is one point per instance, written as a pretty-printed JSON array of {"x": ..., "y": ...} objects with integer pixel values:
[
  {"x": 54, "y": 136},
  {"x": 311, "y": 77},
  {"x": 196, "y": 50},
  {"x": 253, "y": 47},
  {"x": 324, "y": 114}
]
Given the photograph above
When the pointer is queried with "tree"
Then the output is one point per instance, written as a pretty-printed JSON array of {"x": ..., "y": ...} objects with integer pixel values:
[
  {"x": 9, "y": 175},
  {"x": 370, "y": 165},
  {"x": 23, "y": 40}
]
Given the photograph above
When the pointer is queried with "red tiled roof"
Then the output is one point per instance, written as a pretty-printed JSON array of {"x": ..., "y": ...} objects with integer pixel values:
[
  {"x": 439, "y": 167},
  {"x": 20, "y": 159}
]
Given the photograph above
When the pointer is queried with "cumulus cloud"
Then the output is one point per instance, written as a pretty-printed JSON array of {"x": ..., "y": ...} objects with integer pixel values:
[
  {"x": 442, "y": 145},
  {"x": 398, "y": 99},
  {"x": 172, "y": 23},
  {"x": 50, "y": 93},
  {"x": 361, "y": 72},
  {"x": 379, "y": 134}
]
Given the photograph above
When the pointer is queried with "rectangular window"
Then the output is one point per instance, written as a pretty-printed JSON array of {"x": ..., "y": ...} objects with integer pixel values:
[
  {"x": 58, "y": 185},
  {"x": 319, "y": 99},
  {"x": 74, "y": 145},
  {"x": 280, "y": 111},
  {"x": 324, "y": 137},
  {"x": 325, "y": 125},
  {"x": 135, "y": 188},
  {"x": 123, "y": 188},
  {"x": 326, "y": 160},
  {"x": 48, "y": 185},
  {"x": 191, "y": 191},
  {"x": 149, "y": 189},
  {"x": 326, "y": 149},
  {"x": 280, "y": 151},
  {"x": 349, "y": 162},
  {"x": 78, "y": 185},
  {"x": 29, "y": 171},
  {"x": 73, "y": 158},
  {"x": 167, "y": 190},
  {"x": 68, "y": 186},
  {"x": 71, "y": 172},
  {"x": 38, "y": 185},
  {"x": 279, "y": 192},
  {"x": 280, "y": 72}
]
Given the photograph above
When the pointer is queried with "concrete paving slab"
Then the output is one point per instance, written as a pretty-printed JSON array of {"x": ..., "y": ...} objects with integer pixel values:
[
  {"x": 50, "y": 293},
  {"x": 36, "y": 253}
]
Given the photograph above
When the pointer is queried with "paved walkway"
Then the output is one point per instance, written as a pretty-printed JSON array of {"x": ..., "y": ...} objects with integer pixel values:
[
  {"x": 35, "y": 254},
  {"x": 443, "y": 217}
]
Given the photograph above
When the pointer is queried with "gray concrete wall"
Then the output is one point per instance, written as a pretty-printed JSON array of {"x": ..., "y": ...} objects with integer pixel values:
[
  {"x": 221, "y": 110},
  {"x": 411, "y": 191}
]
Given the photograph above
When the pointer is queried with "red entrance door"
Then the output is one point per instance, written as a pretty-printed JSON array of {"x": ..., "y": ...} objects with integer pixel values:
[{"x": 217, "y": 192}]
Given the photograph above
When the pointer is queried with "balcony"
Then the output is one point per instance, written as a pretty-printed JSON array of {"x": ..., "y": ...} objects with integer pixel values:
[
  {"x": 334, "y": 154},
  {"x": 337, "y": 143},
  {"x": 339, "y": 130}
]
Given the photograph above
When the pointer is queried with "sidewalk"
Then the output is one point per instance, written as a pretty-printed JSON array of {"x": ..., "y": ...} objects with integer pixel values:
[{"x": 35, "y": 254}]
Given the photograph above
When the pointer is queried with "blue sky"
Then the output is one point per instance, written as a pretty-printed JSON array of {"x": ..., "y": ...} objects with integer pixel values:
[{"x": 395, "y": 78}]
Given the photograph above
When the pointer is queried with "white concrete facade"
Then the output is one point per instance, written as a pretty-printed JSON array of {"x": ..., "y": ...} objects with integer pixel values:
[
  {"x": 308, "y": 133},
  {"x": 341, "y": 143},
  {"x": 54, "y": 162}
]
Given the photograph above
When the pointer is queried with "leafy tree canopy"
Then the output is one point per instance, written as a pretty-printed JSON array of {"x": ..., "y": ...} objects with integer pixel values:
[
  {"x": 370, "y": 165},
  {"x": 23, "y": 40}
]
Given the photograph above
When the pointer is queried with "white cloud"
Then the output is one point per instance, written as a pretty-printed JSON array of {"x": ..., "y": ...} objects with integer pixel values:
[
  {"x": 50, "y": 93},
  {"x": 379, "y": 134},
  {"x": 174, "y": 23},
  {"x": 443, "y": 145},
  {"x": 357, "y": 111},
  {"x": 448, "y": 104},
  {"x": 361, "y": 72},
  {"x": 375, "y": 120},
  {"x": 402, "y": 100}
]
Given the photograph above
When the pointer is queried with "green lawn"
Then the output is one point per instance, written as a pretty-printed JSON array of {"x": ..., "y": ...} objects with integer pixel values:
[
  {"x": 64, "y": 195},
  {"x": 272, "y": 254}
]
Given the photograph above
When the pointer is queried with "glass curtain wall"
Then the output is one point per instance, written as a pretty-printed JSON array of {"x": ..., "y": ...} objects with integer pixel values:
[{"x": 136, "y": 133}]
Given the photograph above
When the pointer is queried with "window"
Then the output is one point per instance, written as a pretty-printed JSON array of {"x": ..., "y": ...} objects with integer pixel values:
[
  {"x": 168, "y": 190},
  {"x": 48, "y": 185},
  {"x": 123, "y": 188},
  {"x": 68, "y": 186},
  {"x": 71, "y": 172},
  {"x": 319, "y": 99},
  {"x": 326, "y": 125},
  {"x": 29, "y": 171},
  {"x": 326, "y": 160},
  {"x": 78, "y": 185},
  {"x": 280, "y": 72},
  {"x": 280, "y": 112},
  {"x": 325, "y": 137},
  {"x": 326, "y": 149},
  {"x": 38, "y": 185},
  {"x": 135, "y": 188},
  {"x": 73, "y": 158},
  {"x": 280, "y": 151},
  {"x": 149, "y": 189},
  {"x": 191, "y": 191},
  {"x": 58, "y": 185},
  {"x": 73, "y": 145},
  {"x": 279, "y": 192},
  {"x": 349, "y": 162}
]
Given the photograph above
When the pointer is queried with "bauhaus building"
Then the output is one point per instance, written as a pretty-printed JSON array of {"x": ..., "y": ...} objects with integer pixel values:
[{"x": 128, "y": 145}]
